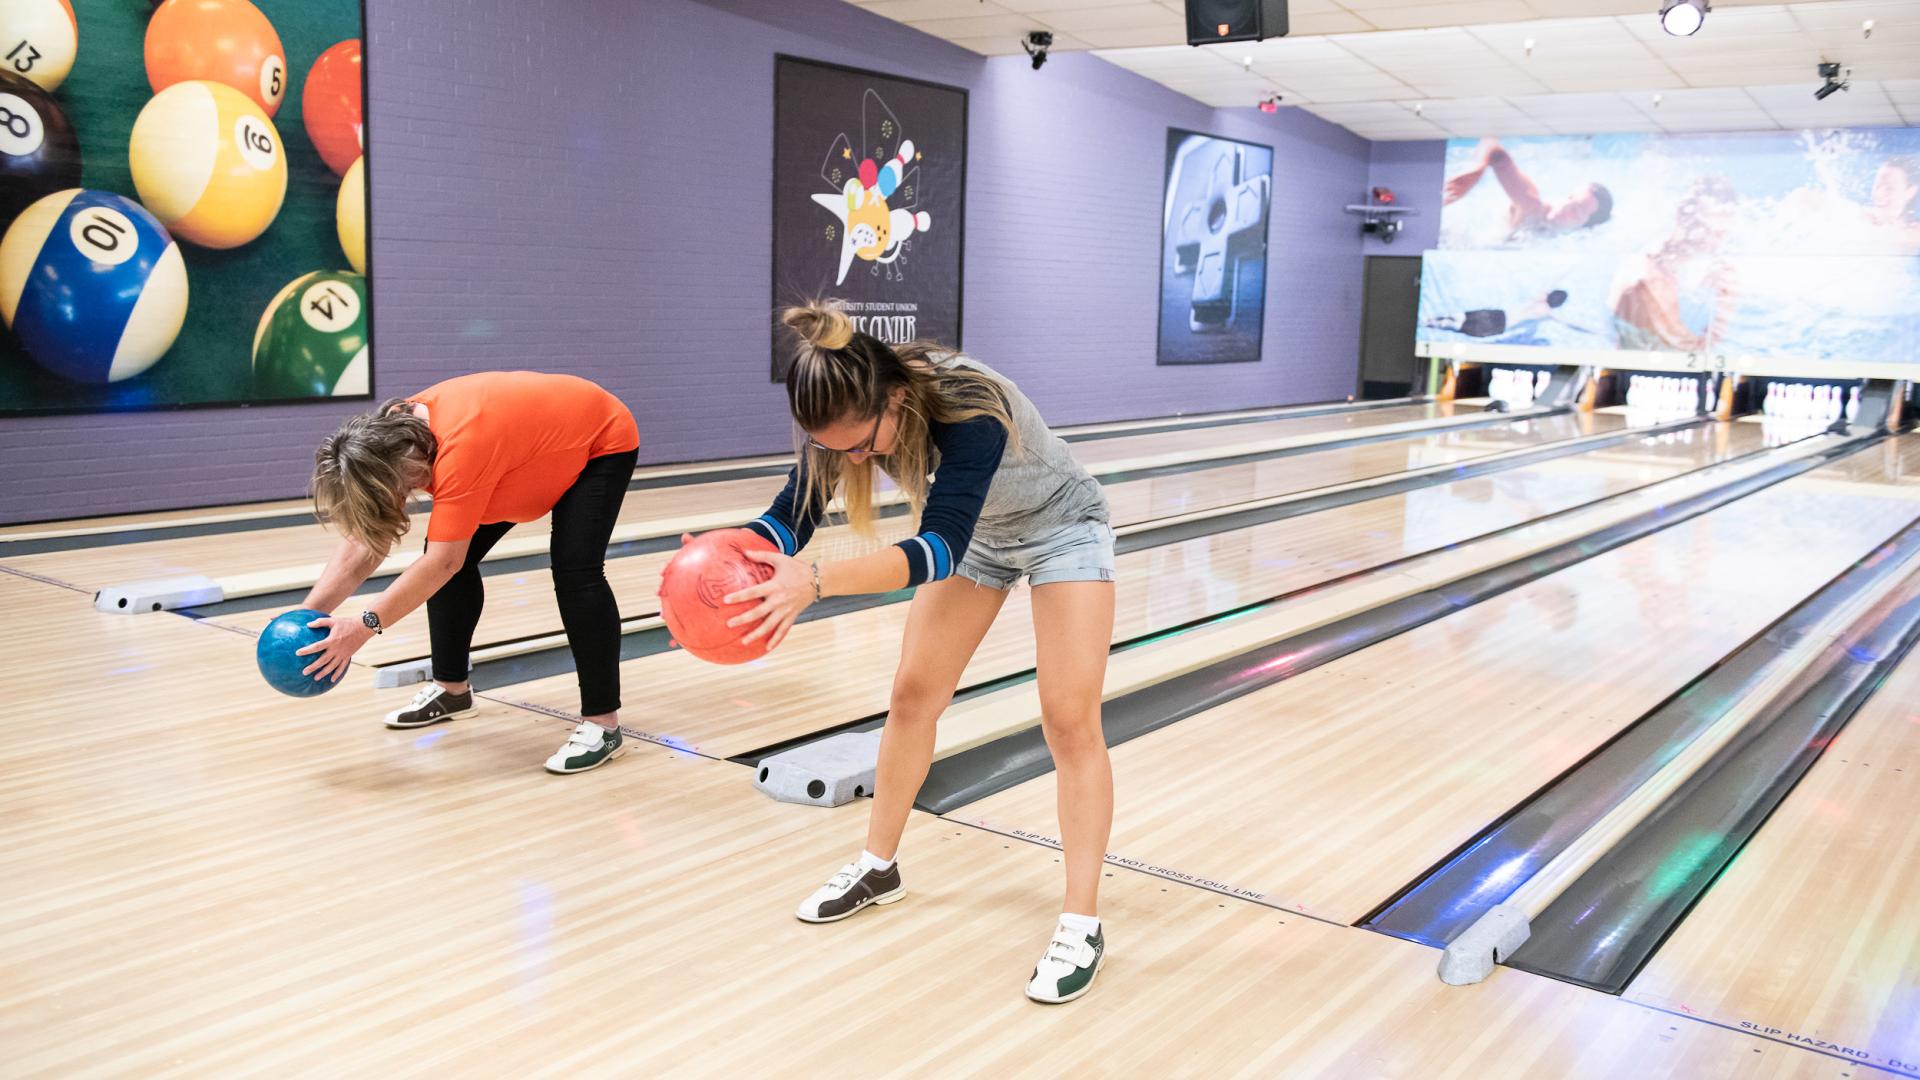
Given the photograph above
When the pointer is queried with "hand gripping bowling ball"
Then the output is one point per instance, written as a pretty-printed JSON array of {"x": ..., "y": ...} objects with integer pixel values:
[
  {"x": 279, "y": 643},
  {"x": 712, "y": 566}
]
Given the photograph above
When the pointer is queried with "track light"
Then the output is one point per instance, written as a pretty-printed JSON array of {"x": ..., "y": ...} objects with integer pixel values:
[
  {"x": 1037, "y": 42},
  {"x": 1682, "y": 18},
  {"x": 1270, "y": 103},
  {"x": 1833, "y": 84}
]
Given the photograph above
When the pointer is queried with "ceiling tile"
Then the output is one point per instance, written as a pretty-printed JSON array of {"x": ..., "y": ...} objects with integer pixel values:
[
  {"x": 1117, "y": 17},
  {"x": 978, "y": 26}
]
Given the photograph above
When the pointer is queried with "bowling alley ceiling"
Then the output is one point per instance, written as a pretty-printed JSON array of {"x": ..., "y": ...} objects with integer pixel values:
[{"x": 1430, "y": 69}]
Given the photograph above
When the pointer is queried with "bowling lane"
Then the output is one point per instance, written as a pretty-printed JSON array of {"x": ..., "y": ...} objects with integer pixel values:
[
  {"x": 1326, "y": 793},
  {"x": 304, "y": 547},
  {"x": 1810, "y": 933},
  {"x": 521, "y": 605},
  {"x": 839, "y": 669},
  {"x": 552, "y": 897}
]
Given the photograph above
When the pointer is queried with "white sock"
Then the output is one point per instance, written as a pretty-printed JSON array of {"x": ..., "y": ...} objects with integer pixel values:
[
  {"x": 870, "y": 861},
  {"x": 1085, "y": 925}
]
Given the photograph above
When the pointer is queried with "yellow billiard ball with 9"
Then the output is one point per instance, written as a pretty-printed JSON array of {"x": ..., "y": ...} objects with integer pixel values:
[{"x": 208, "y": 163}]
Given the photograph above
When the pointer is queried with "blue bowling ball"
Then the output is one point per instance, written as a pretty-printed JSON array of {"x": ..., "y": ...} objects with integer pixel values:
[{"x": 279, "y": 642}]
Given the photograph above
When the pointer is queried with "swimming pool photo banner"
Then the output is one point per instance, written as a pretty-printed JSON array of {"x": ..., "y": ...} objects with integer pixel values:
[
  {"x": 183, "y": 210},
  {"x": 1801, "y": 247}
]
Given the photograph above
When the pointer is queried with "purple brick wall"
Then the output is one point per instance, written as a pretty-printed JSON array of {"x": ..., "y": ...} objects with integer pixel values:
[
  {"x": 583, "y": 185},
  {"x": 1415, "y": 171}
]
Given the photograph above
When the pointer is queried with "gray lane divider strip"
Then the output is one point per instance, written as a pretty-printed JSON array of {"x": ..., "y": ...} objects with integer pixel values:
[
  {"x": 649, "y": 545},
  {"x": 559, "y": 659},
  {"x": 992, "y": 767},
  {"x": 141, "y": 535},
  {"x": 1192, "y": 530},
  {"x": 1441, "y": 903},
  {"x": 1604, "y": 928}
]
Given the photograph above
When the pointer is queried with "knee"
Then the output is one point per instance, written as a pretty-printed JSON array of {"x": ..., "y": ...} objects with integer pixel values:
[
  {"x": 1072, "y": 728},
  {"x": 572, "y": 577},
  {"x": 917, "y": 700}
]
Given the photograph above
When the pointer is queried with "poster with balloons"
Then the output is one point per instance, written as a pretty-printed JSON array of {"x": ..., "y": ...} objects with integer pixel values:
[
  {"x": 869, "y": 181},
  {"x": 183, "y": 203}
]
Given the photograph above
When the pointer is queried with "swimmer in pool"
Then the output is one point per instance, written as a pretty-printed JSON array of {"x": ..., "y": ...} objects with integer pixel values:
[
  {"x": 1494, "y": 322},
  {"x": 1895, "y": 203},
  {"x": 1529, "y": 214},
  {"x": 1677, "y": 295}
]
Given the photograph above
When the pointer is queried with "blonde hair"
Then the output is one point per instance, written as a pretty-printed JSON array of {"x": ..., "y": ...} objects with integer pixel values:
[
  {"x": 841, "y": 374},
  {"x": 364, "y": 473}
]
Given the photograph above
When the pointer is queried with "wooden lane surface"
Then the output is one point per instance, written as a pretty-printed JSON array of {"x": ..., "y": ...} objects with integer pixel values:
[
  {"x": 521, "y": 605},
  {"x": 336, "y": 899},
  {"x": 841, "y": 669},
  {"x": 308, "y": 545},
  {"x": 1812, "y": 932},
  {"x": 1326, "y": 793}
]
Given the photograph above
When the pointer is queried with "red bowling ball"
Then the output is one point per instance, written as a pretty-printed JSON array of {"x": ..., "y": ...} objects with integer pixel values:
[{"x": 692, "y": 587}]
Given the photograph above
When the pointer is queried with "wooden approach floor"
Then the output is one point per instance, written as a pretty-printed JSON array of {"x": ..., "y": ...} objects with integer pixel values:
[{"x": 198, "y": 879}]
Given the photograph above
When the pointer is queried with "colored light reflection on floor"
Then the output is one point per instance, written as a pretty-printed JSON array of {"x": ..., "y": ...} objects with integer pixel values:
[{"x": 535, "y": 926}]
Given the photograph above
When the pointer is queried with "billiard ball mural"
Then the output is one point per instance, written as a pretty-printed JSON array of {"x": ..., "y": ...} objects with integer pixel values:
[{"x": 183, "y": 203}]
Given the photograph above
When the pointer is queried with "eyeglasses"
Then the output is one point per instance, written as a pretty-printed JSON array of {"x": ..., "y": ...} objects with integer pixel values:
[{"x": 864, "y": 448}]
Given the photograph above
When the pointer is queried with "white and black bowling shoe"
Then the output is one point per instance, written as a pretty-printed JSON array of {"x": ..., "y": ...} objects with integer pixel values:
[
  {"x": 430, "y": 706},
  {"x": 850, "y": 890}
]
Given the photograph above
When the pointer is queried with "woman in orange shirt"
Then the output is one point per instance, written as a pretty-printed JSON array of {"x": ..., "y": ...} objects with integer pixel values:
[{"x": 493, "y": 449}]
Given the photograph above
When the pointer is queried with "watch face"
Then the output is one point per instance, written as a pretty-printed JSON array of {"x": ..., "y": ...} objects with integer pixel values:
[{"x": 370, "y": 620}]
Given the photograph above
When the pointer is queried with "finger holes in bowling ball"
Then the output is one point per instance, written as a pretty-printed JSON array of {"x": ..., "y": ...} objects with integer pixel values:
[
  {"x": 816, "y": 788},
  {"x": 763, "y": 775}
]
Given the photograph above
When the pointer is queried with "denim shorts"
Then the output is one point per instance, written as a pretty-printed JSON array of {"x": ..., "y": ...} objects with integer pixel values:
[{"x": 1079, "y": 552}]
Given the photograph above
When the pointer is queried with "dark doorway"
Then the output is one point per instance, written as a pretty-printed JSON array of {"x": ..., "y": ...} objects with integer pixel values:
[{"x": 1388, "y": 317}]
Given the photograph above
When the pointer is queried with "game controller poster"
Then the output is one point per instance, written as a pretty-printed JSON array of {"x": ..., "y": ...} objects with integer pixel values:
[
  {"x": 869, "y": 181},
  {"x": 1213, "y": 249},
  {"x": 183, "y": 204}
]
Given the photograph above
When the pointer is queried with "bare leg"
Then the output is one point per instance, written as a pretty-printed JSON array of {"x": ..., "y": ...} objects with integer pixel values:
[
  {"x": 1073, "y": 630},
  {"x": 944, "y": 626}
]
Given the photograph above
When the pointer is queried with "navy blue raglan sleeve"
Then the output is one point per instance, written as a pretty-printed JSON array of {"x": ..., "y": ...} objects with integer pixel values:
[
  {"x": 782, "y": 522},
  {"x": 969, "y": 456}
]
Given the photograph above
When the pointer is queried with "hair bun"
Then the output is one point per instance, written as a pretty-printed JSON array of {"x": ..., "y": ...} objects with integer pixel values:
[{"x": 821, "y": 324}]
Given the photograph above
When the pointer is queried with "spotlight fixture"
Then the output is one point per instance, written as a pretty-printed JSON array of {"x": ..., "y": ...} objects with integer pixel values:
[
  {"x": 1037, "y": 42},
  {"x": 1833, "y": 82},
  {"x": 1270, "y": 103},
  {"x": 1682, "y": 18}
]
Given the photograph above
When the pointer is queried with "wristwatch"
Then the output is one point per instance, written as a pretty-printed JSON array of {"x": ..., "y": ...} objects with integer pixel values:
[{"x": 371, "y": 621}]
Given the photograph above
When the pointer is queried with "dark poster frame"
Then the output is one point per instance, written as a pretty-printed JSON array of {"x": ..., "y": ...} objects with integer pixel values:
[
  {"x": 1174, "y": 137},
  {"x": 777, "y": 368},
  {"x": 373, "y": 349}
]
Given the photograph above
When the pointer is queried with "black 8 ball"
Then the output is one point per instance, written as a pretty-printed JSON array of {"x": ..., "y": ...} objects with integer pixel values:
[{"x": 39, "y": 153}]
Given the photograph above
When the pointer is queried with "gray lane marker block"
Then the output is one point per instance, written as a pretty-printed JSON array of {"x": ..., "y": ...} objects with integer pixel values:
[
  {"x": 165, "y": 594},
  {"x": 832, "y": 771},
  {"x": 406, "y": 674},
  {"x": 1492, "y": 938}
]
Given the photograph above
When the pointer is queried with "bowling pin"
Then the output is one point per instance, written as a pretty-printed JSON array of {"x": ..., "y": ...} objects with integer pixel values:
[{"x": 1853, "y": 403}]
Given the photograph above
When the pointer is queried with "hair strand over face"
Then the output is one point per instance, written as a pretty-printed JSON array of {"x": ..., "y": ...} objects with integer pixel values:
[
  {"x": 364, "y": 472},
  {"x": 840, "y": 374}
]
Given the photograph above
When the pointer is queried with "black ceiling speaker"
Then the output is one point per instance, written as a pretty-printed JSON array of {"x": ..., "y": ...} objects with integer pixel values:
[{"x": 1212, "y": 21}]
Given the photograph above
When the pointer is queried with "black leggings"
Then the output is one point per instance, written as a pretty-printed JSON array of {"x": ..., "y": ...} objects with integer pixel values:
[{"x": 582, "y": 524}]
